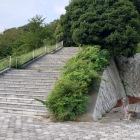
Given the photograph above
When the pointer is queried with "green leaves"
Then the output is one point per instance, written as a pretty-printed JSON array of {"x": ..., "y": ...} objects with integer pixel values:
[
  {"x": 35, "y": 34},
  {"x": 103, "y": 23},
  {"x": 69, "y": 97},
  {"x": 7, "y": 39}
]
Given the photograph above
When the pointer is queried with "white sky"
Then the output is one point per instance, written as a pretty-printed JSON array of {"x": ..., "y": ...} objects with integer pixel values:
[{"x": 15, "y": 13}]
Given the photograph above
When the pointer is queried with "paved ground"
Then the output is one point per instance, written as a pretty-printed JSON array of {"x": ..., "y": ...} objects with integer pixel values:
[{"x": 111, "y": 127}]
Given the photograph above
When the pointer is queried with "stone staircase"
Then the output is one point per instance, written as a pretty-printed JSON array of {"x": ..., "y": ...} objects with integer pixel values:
[{"x": 18, "y": 88}]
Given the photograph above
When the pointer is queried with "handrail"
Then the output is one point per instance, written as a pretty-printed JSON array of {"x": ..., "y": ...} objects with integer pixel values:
[
  {"x": 18, "y": 62},
  {"x": 4, "y": 63}
]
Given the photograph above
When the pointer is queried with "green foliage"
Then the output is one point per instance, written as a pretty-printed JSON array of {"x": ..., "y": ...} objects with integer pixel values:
[
  {"x": 59, "y": 33},
  {"x": 136, "y": 4},
  {"x": 112, "y": 24},
  {"x": 66, "y": 101},
  {"x": 50, "y": 33},
  {"x": 69, "y": 97},
  {"x": 138, "y": 48},
  {"x": 7, "y": 39},
  {"x": 18, "y": 41},
  {"x": 33, "y": 38}
]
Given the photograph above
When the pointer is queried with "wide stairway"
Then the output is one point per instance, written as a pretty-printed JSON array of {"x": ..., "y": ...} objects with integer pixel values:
[{"x": 19, "y": 88}]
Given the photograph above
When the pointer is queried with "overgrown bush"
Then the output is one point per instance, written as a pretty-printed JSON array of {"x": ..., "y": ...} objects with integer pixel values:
[{"x": 69, "y": 97}]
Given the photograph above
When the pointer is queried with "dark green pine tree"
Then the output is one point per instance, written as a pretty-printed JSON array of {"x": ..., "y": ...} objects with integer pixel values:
[{"x": 112, "y": 24}]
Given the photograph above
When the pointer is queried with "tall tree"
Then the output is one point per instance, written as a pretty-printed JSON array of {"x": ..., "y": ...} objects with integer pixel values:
[
  {"x": 7, "y": 39},
  {"x": 136, "y": 4},
  {"x": 74, "y": 10},
  {"x": 34, "y": 37},
  {"x": 34, "y": 34},
  {"x": 112, "y": 24},
  {"x": 59, "y": 33},
  {"x": 50, "y": 33}
]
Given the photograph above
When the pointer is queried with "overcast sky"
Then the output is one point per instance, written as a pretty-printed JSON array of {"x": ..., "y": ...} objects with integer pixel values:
[{"x": 15, "y": 13}]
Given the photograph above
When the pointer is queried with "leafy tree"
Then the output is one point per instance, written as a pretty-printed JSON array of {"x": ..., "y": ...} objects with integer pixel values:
[
  {"x": 136, "y": 4},
  {"x": 59, "y": 33},
  {"x": 34, "y": 37},
  {"x": 112, "y": 24},
  {"x": 35, "y": 34},
  {"x": 7, "y": 39},
  {"x": 50, "y": 33},
  {"x": 75, "y": 9}
]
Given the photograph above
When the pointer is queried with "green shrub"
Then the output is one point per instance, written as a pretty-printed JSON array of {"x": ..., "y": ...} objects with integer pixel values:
[
  {"x": 69, "y": 97},
  {"x": 138, "y": 48}
]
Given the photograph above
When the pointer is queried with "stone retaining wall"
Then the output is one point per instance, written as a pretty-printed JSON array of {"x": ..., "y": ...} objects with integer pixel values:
[
  {"x": 129, "y": 69},
  {"x": 110, "y": 91}
]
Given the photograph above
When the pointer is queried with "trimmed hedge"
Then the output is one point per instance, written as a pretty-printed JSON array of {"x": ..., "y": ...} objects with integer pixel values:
[{"x": 69, "y": 97}]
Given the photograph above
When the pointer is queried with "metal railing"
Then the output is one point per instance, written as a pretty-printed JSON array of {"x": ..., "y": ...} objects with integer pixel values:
[{"x": 18, "y": 62}]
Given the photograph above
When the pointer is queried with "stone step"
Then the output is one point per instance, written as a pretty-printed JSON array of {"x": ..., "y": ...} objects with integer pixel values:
[
  {"x": 70, "y": 55},
  {"x": 29, "y": 76},
  {"x": 48, "y": 65},
  {"x": 22, "y": 105},
  {"x": 52, "y": 62},
  {"x": 31, "y": 71},
  {"x": 43, "y": 92},
  {"x": 37, "y": 117},
  {"x": 19, "y": 100},
  {"x": 69, "y": 49},
  {"x": 47, "y": 60},
  {"x": 21, "y": 81},
  {"x": 50, "y": 57},
  {"x": 26, "y": 84},
  {"x": 12, "y": 85},
  {"x": 25, "y": 88},
  {"x": 32, "y": 74},
  {"x": 33, "y": 79},
  {"x": 24, "y": 96},
  {"x": 66, "y": 53},
  {"x": 23, "y": 111},
  {"x": 28, "y": 79},
  {"x": 54, "y": 56},
  {"x": 45, "y": 68}
]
